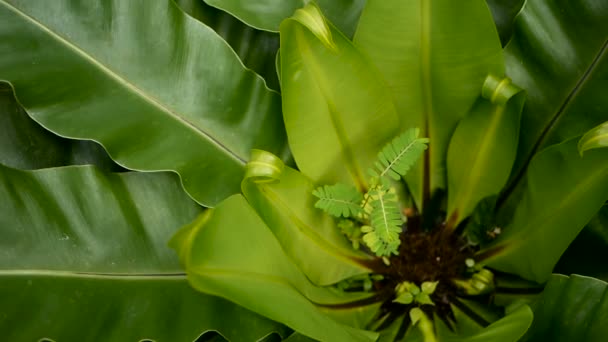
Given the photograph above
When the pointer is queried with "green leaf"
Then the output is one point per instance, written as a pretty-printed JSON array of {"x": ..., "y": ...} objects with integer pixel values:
[
  {"x": 508, "y": 329},
  {"x": 587, "y": 253},
  {"x": 504, "y": 12},
  {"x": 595, "y": 138},
  {"x": 255, "y": 48},
  {"x": 24, "y": 144},
  {"x": 284, "y": 200},
  {"x": 554, "y": 207},
  {"x": 268, "y": 14},
  {"x": 330, "y": 105},
  {"x": 570, "y": 309},
  {"x": 158, "y": 89},
  {"x": 399, "y": 155},
  {"x": 483, "y": 148},
  {"x": 383, "y": 235},
  {"x": 262, "y": 14},
  {"x": 558, "y": 55},
  {"x": 223, "y": 257},
  {"x": 120, "y": 308},
  {"x": 339, "y": 200},
  {"x": 82, "y": 246},
  {"x": 434, "y": 56}
]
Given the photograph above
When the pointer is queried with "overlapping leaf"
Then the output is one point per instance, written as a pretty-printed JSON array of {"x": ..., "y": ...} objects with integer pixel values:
[
  {"x": 24, "y": 144},
  {"x": 558, "y": 55},
  {"x": 82, "y": 246},
  {"x": 563, "y": 191},
  {"x": 338, "y": 115},
  {"x": 571, "y": 308},
  {"x": 483, "y": 148},
  {"x": 158, "y": 89},
  {"x": 230, "y": 252},
  {"x": 285, "y": 202},
  {"x": 434, "y": 56}
]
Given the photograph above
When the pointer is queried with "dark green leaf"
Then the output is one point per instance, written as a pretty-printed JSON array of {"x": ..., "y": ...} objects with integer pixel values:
[
  {"x": 82, "y": 246},
  {"x": 504, "y": 12},
  {"x": 555, "y": 206},
  {"x": 69, "y": 307},
  {"x": 255, "y": 48},
  {"x": 558, "y": 55},
  {"x": 24, "y": 144},
  {"x": 588, "y": 253},
  {"x": 268, "y": 14},
  {"x": 434, "y": 56},
  {"x": 158, "y": 89},
  {"x": 570, "y": 309}
]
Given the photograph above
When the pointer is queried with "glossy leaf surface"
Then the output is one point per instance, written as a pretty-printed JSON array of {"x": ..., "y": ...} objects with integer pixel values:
[
  {"x": 570, "y": 309},
  {"x": 558, "y": 55},
  {"x": 555, "y": 206},
  {"x": 268, "y": 14},
  {"x": 231, "y": 253},
  {"x": 24, "y": 144},
  {"x": 122, "y": 308},
  {"x": 255, "y": 48},
  {"x": 339, "y": 108},
  {"x": 308, "y": 235},
  {"x": 82, "y": 246},
  {"x": 435, "y": 56},
  {"x": 483, "y": 147},
  {"x": 504, "y": 13},
  {"x": 507, "y": 329},
  {"x": 158, "y": 89}
]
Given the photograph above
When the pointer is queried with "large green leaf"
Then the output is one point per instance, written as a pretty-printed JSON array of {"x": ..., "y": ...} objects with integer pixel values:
[
  {"x": 570, "y": 309},
  {"x": 82, "y": 246},
  {"x": 338, "y": 113},
  {"x": 483, "y": 147},
  {"x": 268, "y": 14},
  {"x": 507, "y": 329},
  {"x": 554, "y": 207},
  {"x": 24, "y": 144},
  {"x": 255, "y": 48},
  {"x": 283, "y": 198},
  {"x": 231, "y": 253},
  {"x": 558, "y": 55},
  {"x": 435, "y": 56},
  {"x": 158, "y": 89},
  {"x": 69, "y": 307}
]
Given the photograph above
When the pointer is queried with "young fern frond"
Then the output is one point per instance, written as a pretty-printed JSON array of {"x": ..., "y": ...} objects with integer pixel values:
[
  {"x": 382, "y": 237},
  {"x": 339, "y": 200},
  {"x": 398, "y": 156}
]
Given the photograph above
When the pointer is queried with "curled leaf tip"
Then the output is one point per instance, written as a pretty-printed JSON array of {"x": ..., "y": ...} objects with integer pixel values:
[
  {"x": 595, "y": 138},
  {"x": 264, "y": 167},
  {"x": 498, "y": 90},
  {"x": 311, "y": 17}
]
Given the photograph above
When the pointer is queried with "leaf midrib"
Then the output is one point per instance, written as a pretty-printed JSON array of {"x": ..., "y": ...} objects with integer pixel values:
[
  {"x": 92, "y": 275},
  {"x": 128, "y": 85}
]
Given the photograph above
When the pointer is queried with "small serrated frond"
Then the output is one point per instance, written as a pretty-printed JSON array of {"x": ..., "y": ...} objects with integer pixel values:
[
  {"x": 339, "y": 200},
  {"x": 399, "y": 155},
  {"x": 382, "y": 237}
]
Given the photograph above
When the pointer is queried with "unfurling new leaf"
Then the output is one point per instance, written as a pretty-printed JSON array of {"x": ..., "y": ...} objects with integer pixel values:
[
  {"x": 339, "y": 200},
  {"x": 398, "y": 156},
  {"x": 382, "y": 237}
]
